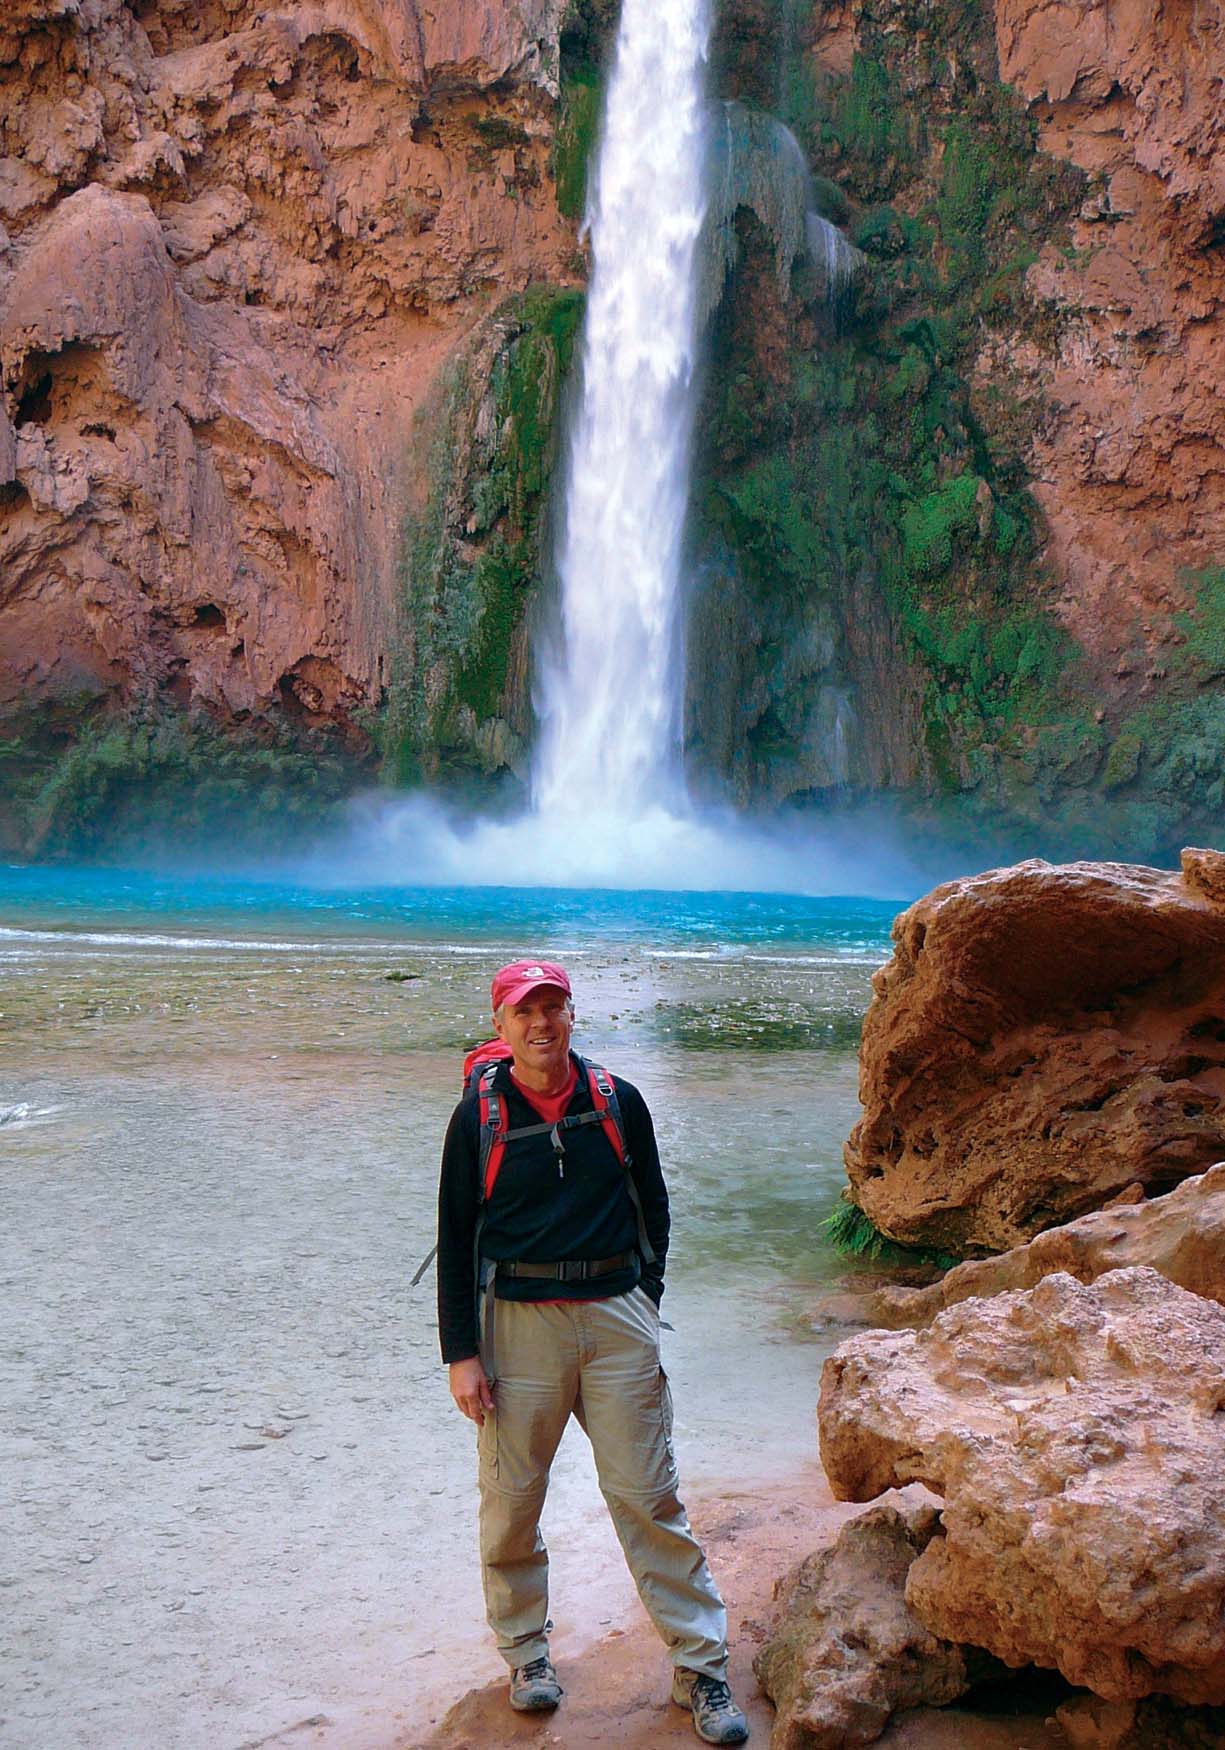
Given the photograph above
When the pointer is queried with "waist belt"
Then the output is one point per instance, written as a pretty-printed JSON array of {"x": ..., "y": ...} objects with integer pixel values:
[{"x": 568, "y": 1269}]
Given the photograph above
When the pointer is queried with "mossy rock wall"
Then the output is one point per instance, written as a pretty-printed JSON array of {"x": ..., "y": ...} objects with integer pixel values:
[
  {"x": 475, "y": 549},
  {"x": 81, "y": 779},
  {"x": 867, "y": 490},
  {"x": 870, "y": 608}
]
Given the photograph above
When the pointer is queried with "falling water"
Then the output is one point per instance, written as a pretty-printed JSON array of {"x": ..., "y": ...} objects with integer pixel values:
[
  {"x": 609, "y": 806},
  {"x": 608, "y": 694},
  {"x": 835, "y": 262}
]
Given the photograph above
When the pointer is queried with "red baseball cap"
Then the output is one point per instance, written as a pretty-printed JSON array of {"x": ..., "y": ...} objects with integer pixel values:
[{"x": 513, "y": 982}]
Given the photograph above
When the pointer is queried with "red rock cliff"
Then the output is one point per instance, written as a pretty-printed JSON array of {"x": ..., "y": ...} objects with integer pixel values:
[
  {"x": 1129, "y": 462},
  {"x": 237, "y": 243}
]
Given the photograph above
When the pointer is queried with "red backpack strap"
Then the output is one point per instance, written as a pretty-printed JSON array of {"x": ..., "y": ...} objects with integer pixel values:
[
  {"x": 494, "y": 1124},
  {"x": 604, "y": 1100}
]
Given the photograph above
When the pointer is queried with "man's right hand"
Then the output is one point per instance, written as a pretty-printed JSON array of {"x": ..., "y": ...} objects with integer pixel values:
[{"x": 470, "y": 1389}]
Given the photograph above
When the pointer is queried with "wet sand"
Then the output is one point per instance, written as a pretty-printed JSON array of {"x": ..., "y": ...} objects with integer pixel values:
[{"x": 617, "y": 1689}]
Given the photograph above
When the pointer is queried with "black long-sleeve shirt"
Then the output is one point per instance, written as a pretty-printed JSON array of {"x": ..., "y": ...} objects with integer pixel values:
[{"x": 540, "y": 1215}]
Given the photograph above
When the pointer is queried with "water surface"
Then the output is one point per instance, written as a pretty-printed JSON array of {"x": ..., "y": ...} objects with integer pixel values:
[{"x": 241, "y": 1495}]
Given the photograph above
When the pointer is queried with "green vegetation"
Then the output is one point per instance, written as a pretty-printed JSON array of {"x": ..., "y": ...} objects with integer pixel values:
[
  {"x": 574, "y": 142},
  {"x": 864, "y": 455},
  {"x": 498, "y": 132},
  {"x": 868, "y": 121},
  {"x": 471, "y": 556},
  {"x": 77, "y": 782},
  {"x": 1204, "y": 626},
  {"x": 587, "y": 29},
  {"x": 849, "y": 1231}
]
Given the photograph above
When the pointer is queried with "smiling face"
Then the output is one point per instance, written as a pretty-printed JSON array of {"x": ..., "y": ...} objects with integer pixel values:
[{"x": 538, "y": 1029}]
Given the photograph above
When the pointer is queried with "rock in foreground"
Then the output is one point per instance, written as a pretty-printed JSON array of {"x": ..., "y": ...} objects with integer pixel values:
[
  {"x": 1042, "y": 1038},
  {"x": 1088, "y": 1723},
  {"x": 1181, "y": 1235},
  {"x": 848, "y": 1652},
  {"x": 1077, "y": 1434}
]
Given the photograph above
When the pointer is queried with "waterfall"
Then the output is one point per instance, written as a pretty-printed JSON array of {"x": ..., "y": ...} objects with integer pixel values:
[
  {"x": 835, "y": 262},
  {"x": 608, "y": 692},
  {"x": 609, "y": 805}
]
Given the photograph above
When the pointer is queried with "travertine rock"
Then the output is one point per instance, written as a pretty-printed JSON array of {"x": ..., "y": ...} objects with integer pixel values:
[
  {"x": 848, "y": 1652},
  {"x": 239, "y": 247},
  {"x": 1089, "y": 1723},
  {"x": 1042, "y": 1038},
  {"x": 1181, "y": 1235},
  {"x": 1129, "y": 456},
  {"x": 1077, "y": 1435}
]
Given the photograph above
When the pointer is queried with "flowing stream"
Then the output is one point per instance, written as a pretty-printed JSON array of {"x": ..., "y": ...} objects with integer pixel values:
[{"x": 608, "y": 695}]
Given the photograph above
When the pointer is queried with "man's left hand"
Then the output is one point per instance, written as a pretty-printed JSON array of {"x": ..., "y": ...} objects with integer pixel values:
[{"x": 471, "y": 1390}]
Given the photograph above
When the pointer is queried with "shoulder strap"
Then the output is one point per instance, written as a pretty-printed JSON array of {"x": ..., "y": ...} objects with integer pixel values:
[
  {"x": 494, "y": 1121},
  {"x": 604, "y": 1100}
]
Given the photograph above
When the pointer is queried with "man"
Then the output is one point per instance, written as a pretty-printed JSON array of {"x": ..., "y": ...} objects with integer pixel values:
[{"x": 548, "y": 1294}]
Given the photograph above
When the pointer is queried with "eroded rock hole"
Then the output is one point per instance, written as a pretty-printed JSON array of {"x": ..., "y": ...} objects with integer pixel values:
[
  {"x": 1182, "y": 1069},
  {"x": 34, "y": 405}
]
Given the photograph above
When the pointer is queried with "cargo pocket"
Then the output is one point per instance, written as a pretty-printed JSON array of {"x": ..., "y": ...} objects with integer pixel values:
[
  {"x": 665, "y": 1414},
  {"x": 487, "y": 1445}
]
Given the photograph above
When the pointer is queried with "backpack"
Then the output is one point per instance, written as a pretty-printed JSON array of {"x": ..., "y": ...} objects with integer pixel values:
[{"x": 480, "y": 1071}]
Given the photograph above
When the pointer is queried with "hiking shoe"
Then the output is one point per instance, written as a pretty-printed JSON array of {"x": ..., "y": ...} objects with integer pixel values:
[
  {"x": 534, "y": 1688},
  {"x": 716, "y": 1718}
]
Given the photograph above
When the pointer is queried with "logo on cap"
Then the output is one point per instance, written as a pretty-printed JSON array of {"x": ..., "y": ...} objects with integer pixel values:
[{"x": 513, "y": 982}]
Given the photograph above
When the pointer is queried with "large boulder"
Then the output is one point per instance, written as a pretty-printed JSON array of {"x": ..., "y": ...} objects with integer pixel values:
[
  {"x": 1077, "y": 1435},
  {"x": 1182, "y": 1235},
  {"x": 848, "y": 1652},
  {"x": 1042, "y": 1038}
]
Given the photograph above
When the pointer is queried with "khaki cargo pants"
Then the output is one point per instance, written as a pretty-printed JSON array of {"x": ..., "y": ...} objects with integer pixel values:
[{"x": 598, "y": 1361}]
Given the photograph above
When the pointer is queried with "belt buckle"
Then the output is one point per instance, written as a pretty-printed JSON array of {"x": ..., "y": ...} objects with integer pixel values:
[{"x": 573, "y": 1270}]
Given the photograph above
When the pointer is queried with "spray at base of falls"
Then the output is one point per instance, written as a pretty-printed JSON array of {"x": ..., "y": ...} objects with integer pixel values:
[{"x": 417, "y": 841}]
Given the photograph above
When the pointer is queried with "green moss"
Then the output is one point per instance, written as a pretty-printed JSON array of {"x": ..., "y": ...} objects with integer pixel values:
[
  {"x": 871, "y": 122},
  {"x": 873, "y": 456},
  {"x": 472, "y": 554},
  {"x": 525, "y": 392},
  {"x": 100, "y": 785},
  {"x": 497, "y": 581},
  {"x": 1122, "y": 762},
  {"x": 498, "y": 132},
  {"x": 1204, "y": 626},
  {"x": 578, "y": 123},
  {"x": 852, "y": 1233},
  {"x": 933, "y": 524},
  {"x": 767, "y": 520}
]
